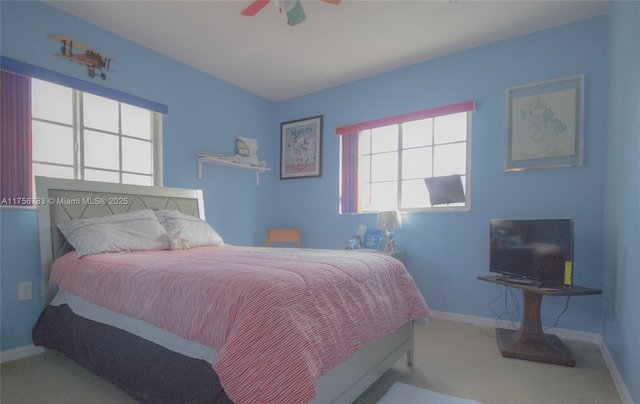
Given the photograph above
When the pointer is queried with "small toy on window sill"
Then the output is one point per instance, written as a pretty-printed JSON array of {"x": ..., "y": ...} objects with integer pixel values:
[
  {"x": 178, "y": 242},
  {"x": 355, "y": 243}
]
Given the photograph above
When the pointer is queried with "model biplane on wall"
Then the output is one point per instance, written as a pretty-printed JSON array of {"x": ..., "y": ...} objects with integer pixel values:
[{"x": 74, "y": 51}]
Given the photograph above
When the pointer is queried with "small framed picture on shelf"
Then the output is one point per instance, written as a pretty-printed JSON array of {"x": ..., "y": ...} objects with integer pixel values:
[
  {"x": 301, "y": 148},
  {"x": 372, "y": 239}
]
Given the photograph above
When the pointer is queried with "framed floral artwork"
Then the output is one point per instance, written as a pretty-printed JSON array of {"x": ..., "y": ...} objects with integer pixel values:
[{"x": 545, "y": 124}]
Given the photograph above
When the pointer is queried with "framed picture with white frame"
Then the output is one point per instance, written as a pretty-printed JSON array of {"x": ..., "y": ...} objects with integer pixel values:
[{"x": 545, "y": 124}]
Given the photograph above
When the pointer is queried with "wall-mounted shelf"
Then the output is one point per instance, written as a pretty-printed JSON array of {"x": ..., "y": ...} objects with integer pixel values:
[{"x": 226, "y": 161}]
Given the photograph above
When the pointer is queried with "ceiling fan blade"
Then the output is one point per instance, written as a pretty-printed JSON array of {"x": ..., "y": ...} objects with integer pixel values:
[
  {"x": 336, "y": 2},
  {"x": 296, "y": 14},
  {"x": 254, "y": 7}
]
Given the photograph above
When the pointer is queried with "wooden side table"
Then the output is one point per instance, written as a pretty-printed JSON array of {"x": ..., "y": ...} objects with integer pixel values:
[{"x": 530, "y": 342}]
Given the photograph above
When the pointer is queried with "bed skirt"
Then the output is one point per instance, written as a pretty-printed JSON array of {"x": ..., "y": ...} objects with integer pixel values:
[{"x": 148, "y": 372}]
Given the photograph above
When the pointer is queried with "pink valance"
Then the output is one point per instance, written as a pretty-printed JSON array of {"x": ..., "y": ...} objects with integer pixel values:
[{"x": 411, "y": 116}]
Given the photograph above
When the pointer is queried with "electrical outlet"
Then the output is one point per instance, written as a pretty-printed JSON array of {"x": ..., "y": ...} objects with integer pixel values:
[{"x": 25, "y": 291}]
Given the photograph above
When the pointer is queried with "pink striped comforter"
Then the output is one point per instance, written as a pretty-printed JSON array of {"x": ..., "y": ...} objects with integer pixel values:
[{"x": 279, "y": 318}]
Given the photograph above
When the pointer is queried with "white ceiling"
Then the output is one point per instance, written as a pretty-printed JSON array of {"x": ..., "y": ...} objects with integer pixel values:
[{"x": 335, "y": 45}]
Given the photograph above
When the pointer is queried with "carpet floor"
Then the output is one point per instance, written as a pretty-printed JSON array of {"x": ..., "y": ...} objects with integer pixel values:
[{"x": 452, "y": 358}]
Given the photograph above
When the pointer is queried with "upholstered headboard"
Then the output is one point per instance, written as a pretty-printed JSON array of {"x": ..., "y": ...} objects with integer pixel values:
[{"x": 61, "y": 200}]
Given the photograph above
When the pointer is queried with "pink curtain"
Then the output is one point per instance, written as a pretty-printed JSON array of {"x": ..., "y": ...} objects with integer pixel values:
[
  {"x": 15, "y": 139},
  {"x": 349, "y": 201}
]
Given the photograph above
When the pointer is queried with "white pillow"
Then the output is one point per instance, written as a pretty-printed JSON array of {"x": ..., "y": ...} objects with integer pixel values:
[
  {"x": 133, "y": 231},
  {"x": 195, "y": 231}
]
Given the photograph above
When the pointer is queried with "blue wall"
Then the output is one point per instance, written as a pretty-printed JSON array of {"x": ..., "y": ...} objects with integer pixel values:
[
  {"x": 205, "y": 114},
  {"x": 622, "y": 190},
  {"x": 446, "y": 251}
]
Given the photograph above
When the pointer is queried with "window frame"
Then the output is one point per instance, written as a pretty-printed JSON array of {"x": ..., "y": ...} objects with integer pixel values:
[
  {"x": 79, "y": 128},
  {"x": 357, "y": 130}
]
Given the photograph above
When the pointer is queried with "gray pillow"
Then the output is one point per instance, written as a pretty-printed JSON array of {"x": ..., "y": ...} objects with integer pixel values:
[
  {"x": 195, "y": 231},
  {"x": 133, "y": 231}
]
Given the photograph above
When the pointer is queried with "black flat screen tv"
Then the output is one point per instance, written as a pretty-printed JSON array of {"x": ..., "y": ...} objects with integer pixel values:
[{"x": 532, "y": 249}]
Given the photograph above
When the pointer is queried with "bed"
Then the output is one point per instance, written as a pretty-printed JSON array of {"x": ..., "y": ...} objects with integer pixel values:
[{"x": 214, "y": 323}]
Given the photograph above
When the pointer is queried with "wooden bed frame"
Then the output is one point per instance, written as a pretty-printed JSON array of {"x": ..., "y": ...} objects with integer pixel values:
[{"x": 65, "y": 200}]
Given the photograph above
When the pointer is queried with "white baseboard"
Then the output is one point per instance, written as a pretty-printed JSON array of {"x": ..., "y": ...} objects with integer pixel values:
[
  {"x": 623, "y": 391},
  {"x": 19, "y": 353},
  {"x": 621, "y": 387},
  {"x": 490, "y": 322}
]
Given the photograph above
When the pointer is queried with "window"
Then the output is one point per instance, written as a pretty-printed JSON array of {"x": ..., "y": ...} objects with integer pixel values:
[
  {"x": 71, "y": 140},
  {"x": 78, "y": 135},
  {"x": 385, "y": 162}
]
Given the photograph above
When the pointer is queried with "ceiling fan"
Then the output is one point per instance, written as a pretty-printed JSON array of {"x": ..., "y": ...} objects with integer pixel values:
[{"x": 293, "y": 9}]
